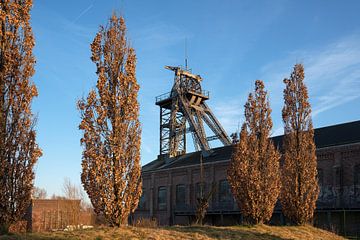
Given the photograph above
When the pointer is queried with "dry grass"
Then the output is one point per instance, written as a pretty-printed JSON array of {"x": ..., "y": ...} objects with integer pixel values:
[
  {"x": 263, "y": 232},
  {"x": 146, "y": 223}
]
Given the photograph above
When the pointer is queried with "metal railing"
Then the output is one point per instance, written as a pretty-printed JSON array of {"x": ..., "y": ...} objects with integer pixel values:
[
  {"x": 162, "y": 97},
  {"x": 168, "y": 95}
]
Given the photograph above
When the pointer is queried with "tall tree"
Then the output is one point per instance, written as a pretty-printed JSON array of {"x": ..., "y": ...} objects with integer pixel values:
[
  {"x": 75, "y": 192},
  {"x": 111, "y": 171},
  {"x": 38, "y": 193},
  {"x": 300, "y": 188},
  {"x": 253, "y": 172},
  {"x": 18, "y": 148},
  {"x": 71, "y": 191}
]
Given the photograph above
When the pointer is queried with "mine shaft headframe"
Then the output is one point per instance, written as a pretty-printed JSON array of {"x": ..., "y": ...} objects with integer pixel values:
[{"x": 186, "y": 103}]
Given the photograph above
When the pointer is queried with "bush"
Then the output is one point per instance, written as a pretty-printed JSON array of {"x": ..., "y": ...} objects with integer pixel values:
[{"x": 146, "y": 222}]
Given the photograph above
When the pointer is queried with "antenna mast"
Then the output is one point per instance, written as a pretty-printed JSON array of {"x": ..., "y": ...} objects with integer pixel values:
[{"x": 186, "y": 63}]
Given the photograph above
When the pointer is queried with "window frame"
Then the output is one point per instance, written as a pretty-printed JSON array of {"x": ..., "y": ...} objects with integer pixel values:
[
  {"x": 142, "y": 200},
  {"x": 320, "y": 177},
  {"x": 228, "y": 198},
  {"x": 178, "y": 201},
  {"x": 162, "y": 205},
  {"x": 198, "y": 188},
  {"x": 356, "y": 172},
  {"x": 338, "y": 176}
]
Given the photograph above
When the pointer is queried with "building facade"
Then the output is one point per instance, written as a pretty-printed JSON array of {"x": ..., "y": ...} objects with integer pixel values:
[{"x": 171, "y": 186}]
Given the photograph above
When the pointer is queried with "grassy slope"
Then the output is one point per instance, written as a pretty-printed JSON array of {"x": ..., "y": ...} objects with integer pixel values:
[{"x": 236, "y": 232}]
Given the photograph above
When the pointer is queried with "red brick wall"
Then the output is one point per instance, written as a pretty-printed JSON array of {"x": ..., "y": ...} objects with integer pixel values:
[{"x": 50, "y": 214}]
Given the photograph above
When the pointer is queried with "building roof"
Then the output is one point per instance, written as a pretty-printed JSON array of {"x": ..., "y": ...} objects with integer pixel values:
[{"x": 329, "y": 136}]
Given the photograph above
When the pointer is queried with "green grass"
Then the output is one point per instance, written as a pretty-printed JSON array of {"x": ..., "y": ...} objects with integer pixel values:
[{"x": 262, "y": 232}]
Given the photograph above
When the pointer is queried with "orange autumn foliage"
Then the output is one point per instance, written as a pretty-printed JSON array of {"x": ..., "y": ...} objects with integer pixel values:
[
  {"x": 300, "y": 188},
  {"x": 18, "y": 148},
  {"x": 253, "y": 172},
  {"x": 111, "y": 171}
]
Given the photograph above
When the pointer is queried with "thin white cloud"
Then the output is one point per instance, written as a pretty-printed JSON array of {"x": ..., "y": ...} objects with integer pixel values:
[
  {"x": 346, "y": 90},
  {"x": 332, "y": 74},
  {"x": 159, "y": 35},
  {"x": 83, "y": 13}
]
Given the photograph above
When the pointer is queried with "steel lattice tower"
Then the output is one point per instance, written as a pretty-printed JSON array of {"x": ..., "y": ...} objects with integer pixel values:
[{"x": 186, "y": 104}]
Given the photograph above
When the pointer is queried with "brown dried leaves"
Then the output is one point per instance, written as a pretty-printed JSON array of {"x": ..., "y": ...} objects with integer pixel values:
[
  {"x": 253, "y": 172},
  {"x": 299, "y": 175},
  {"x": 111, "y": 158}
]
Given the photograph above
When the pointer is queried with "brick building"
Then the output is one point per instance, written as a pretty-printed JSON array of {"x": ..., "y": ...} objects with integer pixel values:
[
  {"x": 52, "y": 214},
  {"x": 170, "y": 186}
]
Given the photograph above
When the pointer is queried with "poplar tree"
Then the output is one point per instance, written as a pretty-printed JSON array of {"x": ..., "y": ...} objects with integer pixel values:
[
  {"x": 111, "y": 171},
  {"x": 253, "y": 172},
  {"x": 300, "y": 188},
  {"x": 18, "y": 148}
]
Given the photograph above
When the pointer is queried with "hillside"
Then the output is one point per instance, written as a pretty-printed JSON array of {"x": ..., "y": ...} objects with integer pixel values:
[{"x": 263, "y": 232}]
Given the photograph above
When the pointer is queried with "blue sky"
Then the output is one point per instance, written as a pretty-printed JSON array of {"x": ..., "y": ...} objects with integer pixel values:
[{"x": 229, "y": 43}]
